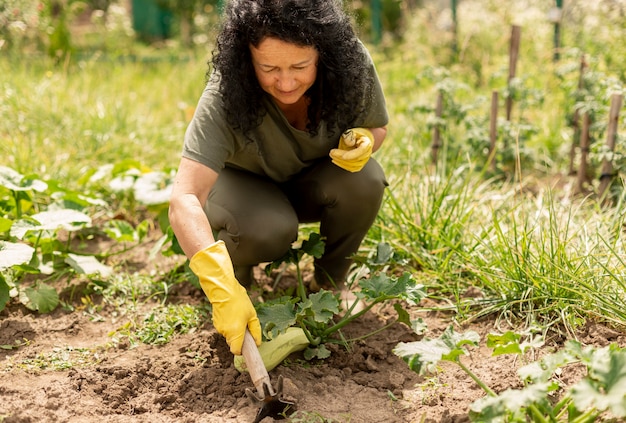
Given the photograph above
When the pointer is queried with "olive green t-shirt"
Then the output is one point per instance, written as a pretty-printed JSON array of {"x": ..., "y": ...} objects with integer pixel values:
[{"x": 279, "y": 151}]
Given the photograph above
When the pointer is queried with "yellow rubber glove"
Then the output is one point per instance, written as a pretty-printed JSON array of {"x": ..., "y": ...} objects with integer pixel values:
[
  {"x": 232, "y": 309},
  {"x": 354, "y": 150}
]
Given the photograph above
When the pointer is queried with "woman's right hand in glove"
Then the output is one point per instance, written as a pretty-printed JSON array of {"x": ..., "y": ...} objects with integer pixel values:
[{"x": 233, "y": 311}]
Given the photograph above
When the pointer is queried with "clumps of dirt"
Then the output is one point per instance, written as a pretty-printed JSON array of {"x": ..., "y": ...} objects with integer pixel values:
[
  {"x": 597, "y": 334},
  {"x": 370, "y": 362},
  {"x": 192, "y": 378},
  {"x": 194, "y": 375},
  {"x": 12, "y": 332}
]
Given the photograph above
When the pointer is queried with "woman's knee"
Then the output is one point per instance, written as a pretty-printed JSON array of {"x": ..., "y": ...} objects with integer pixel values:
[
  {"x": 259, "y": 235},
  {"x": 364, "y": 187},
  {"x": 270, "y": 235}
]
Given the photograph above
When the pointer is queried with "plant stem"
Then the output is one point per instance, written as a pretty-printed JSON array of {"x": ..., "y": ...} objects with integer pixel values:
[
  {"x": 480, "y": 383},
  {"x": 346, "y": 319},
  {"x": 537, "y": 416},
  {"x": 301, "y": 289},
  {"x": 18, "y": 206},
  {"x": 588, "y": 416},
  {"x": 313, "y": 341}
]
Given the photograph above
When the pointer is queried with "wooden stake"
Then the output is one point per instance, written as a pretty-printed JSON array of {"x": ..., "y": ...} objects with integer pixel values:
[
  {"x": 493, "y": 130},
  {"x": 584, "y": 153},
  {"x": 576, "y": 118},
  {"x": 513, "y": 54},
  {"x": 436, "y": 144},
  {"x": 455, "y": 30},
  {"x": 606, "y": 175},
  {"x": 557, "y": 30}
]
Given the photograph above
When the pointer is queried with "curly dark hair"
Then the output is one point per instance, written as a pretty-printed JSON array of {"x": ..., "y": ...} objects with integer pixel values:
[{"x": 342, "y": 87}]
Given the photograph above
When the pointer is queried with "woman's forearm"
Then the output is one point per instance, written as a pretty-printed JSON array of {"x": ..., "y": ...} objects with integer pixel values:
[
  {"x": 379, "y": 136},
  {"x": 190, "y": 224}
]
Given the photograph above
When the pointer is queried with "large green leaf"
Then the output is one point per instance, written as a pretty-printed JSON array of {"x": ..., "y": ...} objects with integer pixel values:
[
  {"x": 276, "y": 317},
  {"x": 15, "y": 181},
  {"x": 153, "y": 188},
  {"x": 41, "y": 297},
  {"x": 543, "y": 370},
  {"x": 322, "y": 306},
  {"x": 68, "y": 219},
  {"x": 314, "y": 246},
  {"x": 605, "y": 385},
  {"x": 88, "y": 265},
  {"x": 510, "y": 404},
  {"x": 509, "y": 343},
  {"x": 13, "y": 254},
  {"x": 382, "y": 287},
  {"x": 506, "y": 343},
  {"x": 423, "y": 356}
]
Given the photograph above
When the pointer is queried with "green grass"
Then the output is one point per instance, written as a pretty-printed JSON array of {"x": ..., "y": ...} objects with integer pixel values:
[
  {"x": 539, "y": 259},
  {"x": 60, "y": 358},
  {"x": 539, "y": 255},
  {"x": 142, "y": 309},
  {"x": 59, "y": 122}
]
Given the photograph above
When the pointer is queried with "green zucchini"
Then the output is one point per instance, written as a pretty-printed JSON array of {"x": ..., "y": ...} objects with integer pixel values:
[{"x": 275, "y": 351}]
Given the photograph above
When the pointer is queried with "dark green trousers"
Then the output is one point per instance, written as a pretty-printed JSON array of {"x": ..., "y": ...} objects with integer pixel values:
[{"x": 258, "y": 219}]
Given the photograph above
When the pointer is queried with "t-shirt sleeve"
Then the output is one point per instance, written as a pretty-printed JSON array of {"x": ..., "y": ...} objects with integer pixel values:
[
  {"x": 208, "y": 138},
  {"x": 375, "y": 112}
]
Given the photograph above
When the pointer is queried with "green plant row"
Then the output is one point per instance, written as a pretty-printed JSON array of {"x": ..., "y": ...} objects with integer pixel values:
[
  {"x": 599, "y": 396},
  {"x": 45, "y": 228}
]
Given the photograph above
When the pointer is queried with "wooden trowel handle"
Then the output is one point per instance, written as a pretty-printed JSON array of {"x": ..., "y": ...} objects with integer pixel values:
[{"x": 255, "y": 366}]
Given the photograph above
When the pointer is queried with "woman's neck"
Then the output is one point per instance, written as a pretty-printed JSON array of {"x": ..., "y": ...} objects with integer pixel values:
[{"x": 296, "y": 113}]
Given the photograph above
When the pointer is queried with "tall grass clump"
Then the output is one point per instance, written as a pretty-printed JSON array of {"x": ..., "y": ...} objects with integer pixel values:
[
  {"x": 541, "y": 262},
  {"x": 537, "y": 259},
  {"x": 428, "y": 213}
]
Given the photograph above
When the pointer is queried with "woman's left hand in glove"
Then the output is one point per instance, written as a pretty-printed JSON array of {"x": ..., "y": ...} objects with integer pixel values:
[{"x": 354, "y": 150}]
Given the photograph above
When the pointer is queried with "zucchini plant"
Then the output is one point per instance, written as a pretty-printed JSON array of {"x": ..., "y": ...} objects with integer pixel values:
[
  {"x": 601, "y": 394},
  {"x": 321, "y": 316},
  {"x": 39, "y": 220}
]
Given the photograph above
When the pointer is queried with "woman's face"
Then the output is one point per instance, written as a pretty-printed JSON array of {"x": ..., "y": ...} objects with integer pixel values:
[{"x": 284, "y": 70}]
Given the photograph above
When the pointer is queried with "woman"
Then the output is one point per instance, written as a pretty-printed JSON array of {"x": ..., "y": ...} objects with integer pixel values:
[{"x": 282, "y": 134}]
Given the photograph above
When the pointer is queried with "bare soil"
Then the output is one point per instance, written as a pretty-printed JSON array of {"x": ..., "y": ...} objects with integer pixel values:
[{"x": 192, "y": 378}]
